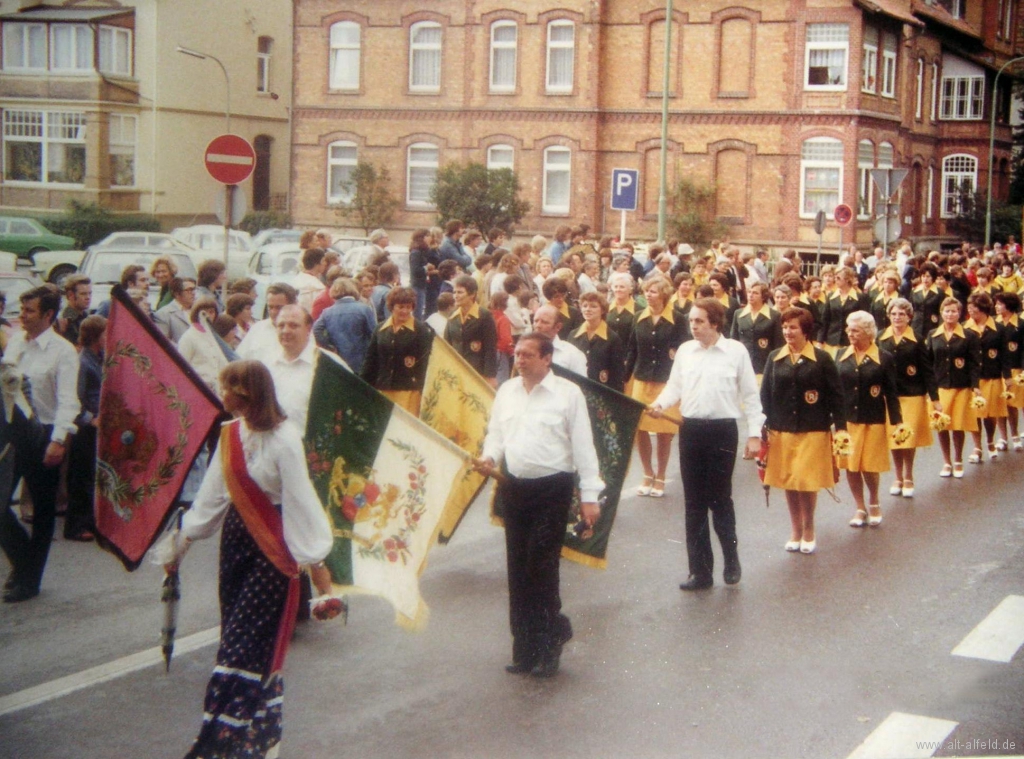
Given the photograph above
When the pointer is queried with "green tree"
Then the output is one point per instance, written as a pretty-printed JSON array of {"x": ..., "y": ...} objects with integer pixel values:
[
  {"x": 373, "y": 203},
  {"x": 692, "y": 216},
  {"x": 481, "y": 198}
]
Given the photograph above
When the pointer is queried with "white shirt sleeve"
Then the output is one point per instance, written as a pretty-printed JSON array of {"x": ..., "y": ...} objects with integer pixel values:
[
  {"x": 307, "y": 531},
  {"x": 68, "y": 405}
]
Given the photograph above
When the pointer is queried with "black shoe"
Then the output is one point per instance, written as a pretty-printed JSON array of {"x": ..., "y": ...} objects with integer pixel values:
[
  {"x": 519, "y": 668},
  {"x": 20, "y": 593},
  {"x": 10, "y": 582},
  {"x": 732, "y": 572},
  {"x": 696, "y": 583},
  {"x": 547, "y": 667},
  {"x": 81, "y": 537}
]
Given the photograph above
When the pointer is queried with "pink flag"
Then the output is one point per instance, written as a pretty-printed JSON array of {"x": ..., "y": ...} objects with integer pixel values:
[{"x": 155, "y": 414}]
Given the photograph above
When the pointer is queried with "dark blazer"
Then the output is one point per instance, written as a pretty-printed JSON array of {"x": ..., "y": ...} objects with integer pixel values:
[
  {"x": 398, "y": 360},
  {"x": 914, "y": 372},
  {"x": 816, "y": 307},
  {"x": 571, "y": 322},
  {"x": 927, "y": 307},
  {"x": 995, "y": 359},
  {"x": 621, "y": 322},
  {"x": 805, "y": 396},
  {"x": 606, "y": 355},
  {"x": 956, "y": 362},
  {"x": 1014, "y": 341},
  {"x": 476, "y": 340},
  {"x": 869, "y": 388},
  {"x": 878, "y": 306},
  {"x": 833, "y": 319},
  {"x": 652, "y": 347},
  {"x": 759, "y": 334}
]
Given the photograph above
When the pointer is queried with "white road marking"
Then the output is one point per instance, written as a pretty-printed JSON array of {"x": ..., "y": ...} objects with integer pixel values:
[
  {"x": 905, "y": 736},
  {"x": 999, "y": 635},
  {"x": 241, "y": 160},
  {"x": 94, "y": 676}
]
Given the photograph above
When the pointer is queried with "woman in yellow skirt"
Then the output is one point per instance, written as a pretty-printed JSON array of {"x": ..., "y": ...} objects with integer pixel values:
[
  {"x": 657, "y": 333},
  {"x": 1008, "y": 315},
  {"x": 915, "y": 384},
  {"x": 994, "y": 374},
  {"x": 802, "y": 401},
  {"x": 956, "y": 363},
  {"x": 396, "y": 361},
  {"x": 868, "y": 377}
]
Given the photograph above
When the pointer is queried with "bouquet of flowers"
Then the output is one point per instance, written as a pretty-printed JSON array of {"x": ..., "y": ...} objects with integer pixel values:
[
  {"x": 842, "y": 444},
  {"x": 325, "y": 608},
  {"x": 1006, "y": 395},
  {"x": 977, "y": 402},
  {"x": 901, "y": 434},
  {"x": 939, "y": 421},
  {"x": 1019, "y": 380}
]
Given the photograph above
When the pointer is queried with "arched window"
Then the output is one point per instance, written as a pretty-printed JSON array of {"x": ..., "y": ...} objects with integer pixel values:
[
  {"x": 344, "y": 58},
  {"x": 425, "y": 57},
  {"x": 557, "y": 180},
  {"x": 421, "y": 173},
  {"x": 561, "y": 56},
  {"x": 959, "y": 181},
  {"x": 504, "y": 42},
  {"x": 264, "y": 46},
  {"x": 821, "y": 176},
  {"x": 342, "y": 158},
  {"x": 865, "y": 189},
  {"x": 501, "y": 157}
]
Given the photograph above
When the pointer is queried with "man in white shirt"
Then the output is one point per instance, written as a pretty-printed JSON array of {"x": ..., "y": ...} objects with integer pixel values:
[
  {"x": 47, "y": 366},
  {"x": 292, "y": 363},
  {"x": 261, "y": 339},
  {"x": 540, "y": 427},
  {"x": 548, "y": 321},
  {"x": 713, "y": 381},
  {"x": 308, "y": 282}
]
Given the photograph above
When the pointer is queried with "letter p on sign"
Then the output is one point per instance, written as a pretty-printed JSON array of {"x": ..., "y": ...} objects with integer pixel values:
[{"x": 625, "y": 183}]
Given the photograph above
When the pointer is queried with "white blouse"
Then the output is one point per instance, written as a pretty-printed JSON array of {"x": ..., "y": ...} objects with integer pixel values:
[{"x": 277, "y": 463}]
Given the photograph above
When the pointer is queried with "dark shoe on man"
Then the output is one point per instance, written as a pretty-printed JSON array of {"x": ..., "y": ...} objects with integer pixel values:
[
  {"x": 81, "y": 537},
  {"x": 547, "y": 666},
  {"x": 20, "y": 593},
  {"x": 519, "y": 668},
  {"x": 696, "y": 583},
  {"x": 732, "y": 572}
]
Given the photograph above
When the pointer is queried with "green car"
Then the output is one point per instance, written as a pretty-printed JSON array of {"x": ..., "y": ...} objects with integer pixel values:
[{"x": 27, "y": 236}]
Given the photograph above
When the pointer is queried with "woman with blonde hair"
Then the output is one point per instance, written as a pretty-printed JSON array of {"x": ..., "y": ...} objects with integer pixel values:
[{"x": 163, "y": 271}]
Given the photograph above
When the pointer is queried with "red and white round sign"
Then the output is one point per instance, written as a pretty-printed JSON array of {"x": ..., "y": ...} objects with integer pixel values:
[
  {"x": 842, "y": 214},
  {"x": 230, "y": 159}
]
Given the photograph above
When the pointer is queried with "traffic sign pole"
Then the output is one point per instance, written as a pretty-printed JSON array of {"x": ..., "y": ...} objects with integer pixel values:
[
  {"x": 622, "y": 229},
  {"x": 625, "y": 184}
]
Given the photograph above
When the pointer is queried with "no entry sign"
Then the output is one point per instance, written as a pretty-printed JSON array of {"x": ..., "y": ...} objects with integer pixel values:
[{"x": 230, "y": 159}]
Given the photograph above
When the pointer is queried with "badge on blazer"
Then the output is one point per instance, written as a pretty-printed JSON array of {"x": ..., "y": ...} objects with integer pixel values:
[
  {"x": 935, "y": 318},
  {"x": 876, "y": 390},
  {"x": 993, "y": 353},
  {"x": 603, "y": 375},
  {"x": 762, "y": 343},
  {"x": 671, "y": 354},
  {"x": 811, "y": 397},
  {"x": 475, "y": 346},
  {"x": 1012, "y": 347},
  {"x": 410, "y": 362},
  {"x": 911, "y": 370},
  {"x": 958, "y": 363}
]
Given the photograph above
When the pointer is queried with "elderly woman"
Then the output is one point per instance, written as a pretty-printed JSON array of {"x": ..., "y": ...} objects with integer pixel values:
[
  {"x": 868, "y": 377},
  {"x": 544, "y": 268},
  {"x": 622, "y": 306},
  {"x": 915, "y": 384},
  {"x": 759, "y": 327},
  {"x": 605, "y": 351},
  {"x": 956, "y": 363},
  {"x": 841, "y": 303},
  {"x": 783, "y": 298},
  {"x": 802, "y": 401},
  {"x": 1007, "y": 315},
  {"x": 199, "y": 347},
  {"x": 657, "y": 333},
  {"x": 396, "y": 361},
  {"x": 994, "y": 375},
  {"x": 163, "y": 271}
]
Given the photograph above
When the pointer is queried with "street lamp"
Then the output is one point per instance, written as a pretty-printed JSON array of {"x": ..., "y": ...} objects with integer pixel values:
[
  {"x": 666, "y": 79},
  {"x": 992, "y": 148},
  {"x": 227, "y": 79}
]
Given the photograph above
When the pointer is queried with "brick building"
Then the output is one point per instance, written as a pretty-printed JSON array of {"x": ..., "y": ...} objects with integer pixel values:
[{"x": 783, "y": 106}]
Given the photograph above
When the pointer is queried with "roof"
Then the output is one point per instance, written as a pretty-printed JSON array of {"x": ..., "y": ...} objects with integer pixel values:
[
  {"x": 940, "y": 15},
  {"x": 52, "y": 13},
  {"x": 897, "y": 9}
]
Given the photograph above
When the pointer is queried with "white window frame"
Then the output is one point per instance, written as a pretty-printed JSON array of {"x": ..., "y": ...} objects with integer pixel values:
[
  {"x": 1006, "y": 20},
  {"x": 555, "y": 46},
  {"x": 420, "y": 165},
  {"x": 934, "y": 115},
  {"x": 81, "y": 42},
  {"x": 124, "y": 130},
  {"x": 116, "y": 36},
  {"x": 494, "y": 164},
  {"x": 29, "y": 33},
  {"x": 919, "y": 90},
  {"x": 549, "y": 205},
  {"x": 956, "y": 173},
  {"x": 888, "y": 65},
  {"x": 869, "y": 64},
  {"x": 340, "y": 164},
  {"x": 263, "y": 64},
  {"x": 963, "y": 98},
  {"x": 954, "y": 7},
  {"x": 930, "y": 194},
  {"x": 813, "y": 46},
  {"x": 865, "y": 187},
  {"x": 40, "y": 129},
  {"x": 828, "y": 164},
  {"x": 337, "y": 50},
  {"x": 504, "y": 47},
  {"x": 417, "y": 49}
]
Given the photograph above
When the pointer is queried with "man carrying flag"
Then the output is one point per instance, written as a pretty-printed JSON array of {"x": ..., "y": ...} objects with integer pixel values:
[{"x": 541, "y": 428}]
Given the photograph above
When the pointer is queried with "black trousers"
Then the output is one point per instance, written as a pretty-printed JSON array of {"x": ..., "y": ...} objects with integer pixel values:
[
  {"x": 707, "y": 456},
  {"x": 81, "y": 481},
  {"x": 536, "y": 511},
  {"x": 28, "y": 553}
]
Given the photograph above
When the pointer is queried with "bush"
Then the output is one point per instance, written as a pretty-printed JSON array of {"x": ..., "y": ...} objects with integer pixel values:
[
  {"x": 692, "y": 215},
  {"x": 481, "y": 198},
  {"x": 89, "y": 223},
  {"x": 256, "y": 221}
]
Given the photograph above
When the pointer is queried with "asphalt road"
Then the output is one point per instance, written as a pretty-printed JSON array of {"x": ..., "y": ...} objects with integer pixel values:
[{"x": 807, "y": 657}]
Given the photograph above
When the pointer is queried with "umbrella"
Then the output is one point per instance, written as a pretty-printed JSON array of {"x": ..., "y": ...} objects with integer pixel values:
[{"x": 170, "y": 594}]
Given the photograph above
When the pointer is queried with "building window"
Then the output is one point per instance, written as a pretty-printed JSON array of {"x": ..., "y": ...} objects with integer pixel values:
[
  {"x": 557, "y": 175},
  {"x": 888, "y": 64},
  {"x": 1006, "y": 17},
  {"x": 504, "y": 38},
  {"x": 24, "y": 46},
  {"x": 342, "y": 158},
  {"x": 425, "y": 57},
  {"x": 959, "y": 180},
  {"x": 869, "y": 66},
  {"x": 122, "y": 150},
  {"x": 919, "y": 90},
  {"x": 561, "y": 56},
  {"x": 263, "y": 47},
  {"x": 930, "y": 196},
  {"x": 344, "y": 60},
  {"x": 935, "y": 92},
  {"x": 865, "y": 192},
  {"x": 501, "y": 157},
  {"x": 422, "y": 173},
  {"x": 70, "y": 48},
  {"x": 821, "y": 176},
  {"x": 955, "y": 7},
  {"x": 44, "y": 146},
  {"x": 115, "y": 50},
  {"x": 963, "y": 97},
  {"x": 827, "y": 48}
]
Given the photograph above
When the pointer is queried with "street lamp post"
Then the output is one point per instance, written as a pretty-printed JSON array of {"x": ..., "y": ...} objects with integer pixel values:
[
  {"x": 666, "y": 80},
  {"x": 992, "y": 148},
  {"x": 227, "y": 80}
]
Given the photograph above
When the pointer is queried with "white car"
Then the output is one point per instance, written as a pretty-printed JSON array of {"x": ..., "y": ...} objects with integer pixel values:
[
  {"x": 266, "y": 236},
  {"x": 273, "y": 262},
  {"x": 104, "y": 266},
  {"x": 209, "y": 240},
  {"x": 143, "y": 240}
]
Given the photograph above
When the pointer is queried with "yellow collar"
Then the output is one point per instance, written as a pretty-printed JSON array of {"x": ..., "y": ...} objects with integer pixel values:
[
  {"x": 871, "y": 352},
  {"x": 666, "y": 313},
  {"x": 675, "y": 299},
  {"x": 630, "y": 306},
  {"x": 971, "y": 324},
  {"x": 725, "y": 300},
  {"x": 920, "y": 289},
  {"x": 908, "y": 334},
  {"x": 564, "y": 310},
  {"x": 765, "y": 311},
  {"x": 473, "y": 313},
  {"x": 1012, "y": 321},
  {"x": 807, "y": 352},
  {"x": 601, "y": 331},
  {"x": 958, "y": 331},
  {"x": 390, "y": 322}
]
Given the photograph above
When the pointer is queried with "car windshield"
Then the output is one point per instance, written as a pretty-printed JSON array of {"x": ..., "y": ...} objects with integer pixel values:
[
  {"x": 12, "y": 288},
  {"x": 106, "y": 266},
  {"x": 134, "y": 241},
  {"x": 282, "y": 263},
  {"x": 215, "y": 241}
]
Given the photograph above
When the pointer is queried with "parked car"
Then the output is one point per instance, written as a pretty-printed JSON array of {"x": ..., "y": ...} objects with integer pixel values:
[
  {"x": 26, "y": 237},
  {"x": 356, "y": 259},
  {"x": 12, "y": 285},
  {"x": 209, "y": 239},
  {"x": 143, "y": 240},
  {"x": 266, "y": 236},
  {"x": 104, "y": 266},
  {"x": 273, "y": 262}
]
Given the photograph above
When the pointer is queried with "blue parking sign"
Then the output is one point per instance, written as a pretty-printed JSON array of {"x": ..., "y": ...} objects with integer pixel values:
[{"x": 625, "y": 184}]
